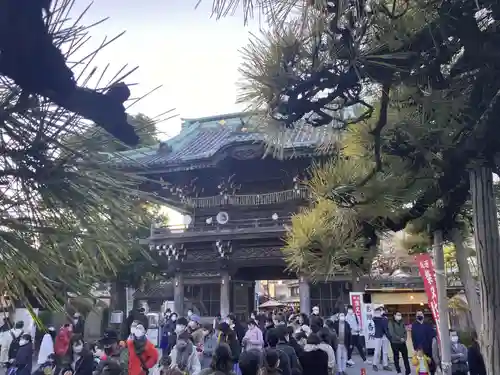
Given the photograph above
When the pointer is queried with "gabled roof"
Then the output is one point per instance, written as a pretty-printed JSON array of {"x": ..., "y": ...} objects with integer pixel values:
[{"x": 202, "y": 138}]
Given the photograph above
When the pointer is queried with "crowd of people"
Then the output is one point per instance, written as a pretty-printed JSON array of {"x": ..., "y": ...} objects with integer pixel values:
[{"x": 279, "y": 343}]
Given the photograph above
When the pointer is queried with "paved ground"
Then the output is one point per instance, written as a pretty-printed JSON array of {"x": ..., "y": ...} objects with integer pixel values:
[{"x": 356, "y": 369}]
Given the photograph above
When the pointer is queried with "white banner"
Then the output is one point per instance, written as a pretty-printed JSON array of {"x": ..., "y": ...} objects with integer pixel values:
[{"x": 364, "y": 312}]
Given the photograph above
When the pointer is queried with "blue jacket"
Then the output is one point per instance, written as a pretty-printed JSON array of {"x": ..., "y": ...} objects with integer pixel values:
[
  {"x": 422, "y": 335},
  {"x": 381, "y": 327}
]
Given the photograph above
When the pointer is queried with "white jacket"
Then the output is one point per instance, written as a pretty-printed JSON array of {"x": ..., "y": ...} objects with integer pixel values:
[
  {"x": 46, "y": 349},
  {"x": 194, "y": 366},
  {"x": 6, "y": 341},
  {"x": 331, "y": 354},
  {"x": 352, "y": 319}
]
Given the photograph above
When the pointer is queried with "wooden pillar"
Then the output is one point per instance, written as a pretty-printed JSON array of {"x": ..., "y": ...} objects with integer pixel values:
[
  {"x": 304, "y": 295},
  {"x": 225, "y": 288},
  {"x": 179, "y": 293}
]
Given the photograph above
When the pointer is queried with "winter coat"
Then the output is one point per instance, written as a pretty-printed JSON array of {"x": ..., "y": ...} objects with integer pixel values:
[
  {"x": 24, "y": 359},
  {"x": 290, "y": 352},
  {"x": 46, "y": 349},
  {"x": 397, "y": 332},
  {"x": 314, "y": 361},
  {"x": 459, "y": 358},
  {"x": 347, "y": 333},
  {"x": 331, "y": 354},
  {"x": 7, "y": 338},
  {"x": 253, "y": 339},
  {"x": 381, "y": 327},
  {"x": 83, "y": 366},
  {"x": 352, "y": 319},
  {"x": 475, "y": 360},
  {"x": 148, "y": 358},
  {"x": 193, "y": 363},
  {"x": 79, "y": 327},
  {"x": 421, "y": 336}
]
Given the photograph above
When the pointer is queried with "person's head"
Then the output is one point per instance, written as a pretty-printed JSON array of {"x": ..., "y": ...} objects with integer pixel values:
[
  {"x": 253, "y": 315},
  {"x": 194, "y": 322},
  {"x": 269, "y": 321},
  {"x": 313, "y": 339},
  {"x": 324, "y": 335},
  {"x": 180, "y": 325},
  {"x": 419, "y": 351},
  {"x": 454, "y": 336},
  {"x": 183, "y": 340},
  {"x": 231, "y": 319},
  {"x": 173, "y": 317},
  {"x": 315, "y": 328},
  {"x": 301, "y": 338},
  {"x": 315, "y": 310},
  {"x": 251, "y": 324},
  {"x": 282, "y": 333},
  {"x": 222, "y": 359},
  {"x": 141, "y": 310},
  {"x": 25, "y": 339},
  {"x": 329, "y": 324},
  {"x": 377, "y": 312},
  {"x": 76, "y": 344},
  {"x": 109, "y": 341},
  {"x": 19, "y": 325},
  {"x": 398, "y": 316},
  {"x": 272, "y": 337},
  {"x": 350, "y": 310},
  {"x": 420, "y": 316},
  {"x": 300, "y": 319},
  {"x": 139, "y": 332},
  {"x": 280, "y": 319},
  {"x": 251, "y": 362},
  {"x": 341, "y": 317},
  {"x": 272, "y": 359},
  {"x": 474, "y": 336},
  {"x": 189, "y": 313}
]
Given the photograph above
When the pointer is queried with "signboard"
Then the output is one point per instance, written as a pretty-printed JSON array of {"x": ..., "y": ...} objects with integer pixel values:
[
  {"x": 116, "y": 317},
  {"x": 428, "y": 274},
  {"x": 364, "y": 312}
]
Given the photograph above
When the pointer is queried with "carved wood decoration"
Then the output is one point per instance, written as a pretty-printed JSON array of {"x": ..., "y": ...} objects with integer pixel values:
[{"x": 247, "y": 152}]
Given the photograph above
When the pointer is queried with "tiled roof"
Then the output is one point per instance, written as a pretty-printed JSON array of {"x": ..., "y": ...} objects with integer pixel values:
[{"x": 202, "y": 138}]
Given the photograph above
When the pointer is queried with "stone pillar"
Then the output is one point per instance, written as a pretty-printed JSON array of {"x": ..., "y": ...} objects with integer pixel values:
[
  {"x": 179, "y": 293},
  {"x": 225, "y": 290},
  {"x": 304, "y": 296}
]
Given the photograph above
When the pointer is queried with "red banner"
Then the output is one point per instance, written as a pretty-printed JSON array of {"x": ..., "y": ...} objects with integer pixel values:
[
  {"x": 428, "y": 274},
  {"x": 356, "y": 306}
]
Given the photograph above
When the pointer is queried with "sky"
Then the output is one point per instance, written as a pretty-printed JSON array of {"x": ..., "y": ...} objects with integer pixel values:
[{"x": 193, "y": 56}]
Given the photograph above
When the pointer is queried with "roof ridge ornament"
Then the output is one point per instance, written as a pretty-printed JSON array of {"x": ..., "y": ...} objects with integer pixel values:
[{"x": 164, "y": 148}]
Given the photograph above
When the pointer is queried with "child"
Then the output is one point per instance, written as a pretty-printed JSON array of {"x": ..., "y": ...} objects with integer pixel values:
[
  {"x": 48, "y": 367},
  {"x": 421, "y": 362}
]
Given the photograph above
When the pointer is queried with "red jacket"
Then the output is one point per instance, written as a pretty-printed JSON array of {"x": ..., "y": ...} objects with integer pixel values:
[{"x": 149, "y": 357}]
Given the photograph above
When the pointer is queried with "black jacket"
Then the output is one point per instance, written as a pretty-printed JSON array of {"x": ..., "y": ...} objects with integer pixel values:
[
  {"x": 290, "y": 352},
  {"x": 83, "y": 366},
  {"x": 284, "y": 366},
  {"x": 347, "y": 333},
  {"x": 24, "y": 359},
  {"x": 314, "y": 362},
  {"x": 475, "y": 360}
]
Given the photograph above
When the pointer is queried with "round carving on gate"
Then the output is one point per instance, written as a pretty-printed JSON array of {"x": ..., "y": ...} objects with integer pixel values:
[{"x": 247, "y": 152}]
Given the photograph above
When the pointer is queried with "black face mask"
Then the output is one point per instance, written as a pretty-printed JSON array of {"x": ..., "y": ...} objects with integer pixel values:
[{"x": 420, "y": 318}]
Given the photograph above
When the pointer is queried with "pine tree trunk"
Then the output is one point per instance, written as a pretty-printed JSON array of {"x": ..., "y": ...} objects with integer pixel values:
[
  {"x": 466, "y": 278},
  {"x": 488, "y": 254}
]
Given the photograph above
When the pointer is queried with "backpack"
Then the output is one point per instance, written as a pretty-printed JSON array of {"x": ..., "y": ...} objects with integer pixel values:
[
  {"x": 61, "y": 345},
  {"x": 14, "y": 345}
]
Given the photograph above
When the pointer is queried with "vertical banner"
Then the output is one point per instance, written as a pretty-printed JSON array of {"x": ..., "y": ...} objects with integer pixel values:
[
  {"x": 428, "y": 274},
  {"x": 364, "y": 313}
]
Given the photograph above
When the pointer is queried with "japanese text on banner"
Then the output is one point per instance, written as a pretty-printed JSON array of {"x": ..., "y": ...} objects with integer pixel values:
[{"x": 428, "y": 274}]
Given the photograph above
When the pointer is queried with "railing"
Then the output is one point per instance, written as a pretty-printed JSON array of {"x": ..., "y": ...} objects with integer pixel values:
[
  {"x": 249, "y": 199},
  {"x": 232, "y": 225}
]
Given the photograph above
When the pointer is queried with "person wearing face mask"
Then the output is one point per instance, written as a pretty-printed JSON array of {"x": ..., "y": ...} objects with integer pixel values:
[
  {"x": 47, "y": 346},
  {"x": 78, "y": 324},
  {"x": 458, "y": 355},
  {"x": 236, "y": 326},
  {"x": 168, "y": 330},
  {"x": 189, "y": 313},
  {"x": 23, "y": 360},
  {"x": 10, "y": 343},
  {"x": 111, "y": 351},
  {"x": 315, "y": 311},
  {"x": 343, "y": 332},
  {"x": 142, "y": 354},
  {"x": 382, "y": 338},
  {"x": 356, "y": 339},
  {"x": 398, "y": 334},
  {"x": 184, "y": 356},
  {"x": 422, "y": 334},
  {"x": 79, "y": 360},
  {"x": 197, "y": 334}
]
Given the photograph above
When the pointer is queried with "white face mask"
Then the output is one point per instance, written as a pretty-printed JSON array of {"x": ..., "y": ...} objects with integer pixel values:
[
  {"x": 315, "y": 311},
  {"x": 454, "y": 339},
  {"x": 173, "y": 318},
  {"x": 190, "y": 313},
  {"x": 341, "y": 317},
  {"x": 350, "y": 311},
  {"x": 77, "y": 349},
  {"x": 397, "y": 317},
  {"x": 139, "y": 333},
  {"x": 75, "y": 321},
  {"x": 23, "y": 342}
]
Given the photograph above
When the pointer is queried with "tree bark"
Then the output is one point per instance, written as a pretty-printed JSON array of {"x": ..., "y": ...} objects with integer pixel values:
[
  {"x": 466, "y": 278},
  {"x": 487, "y": 241},
  {"x": 443, "y": 326}
]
